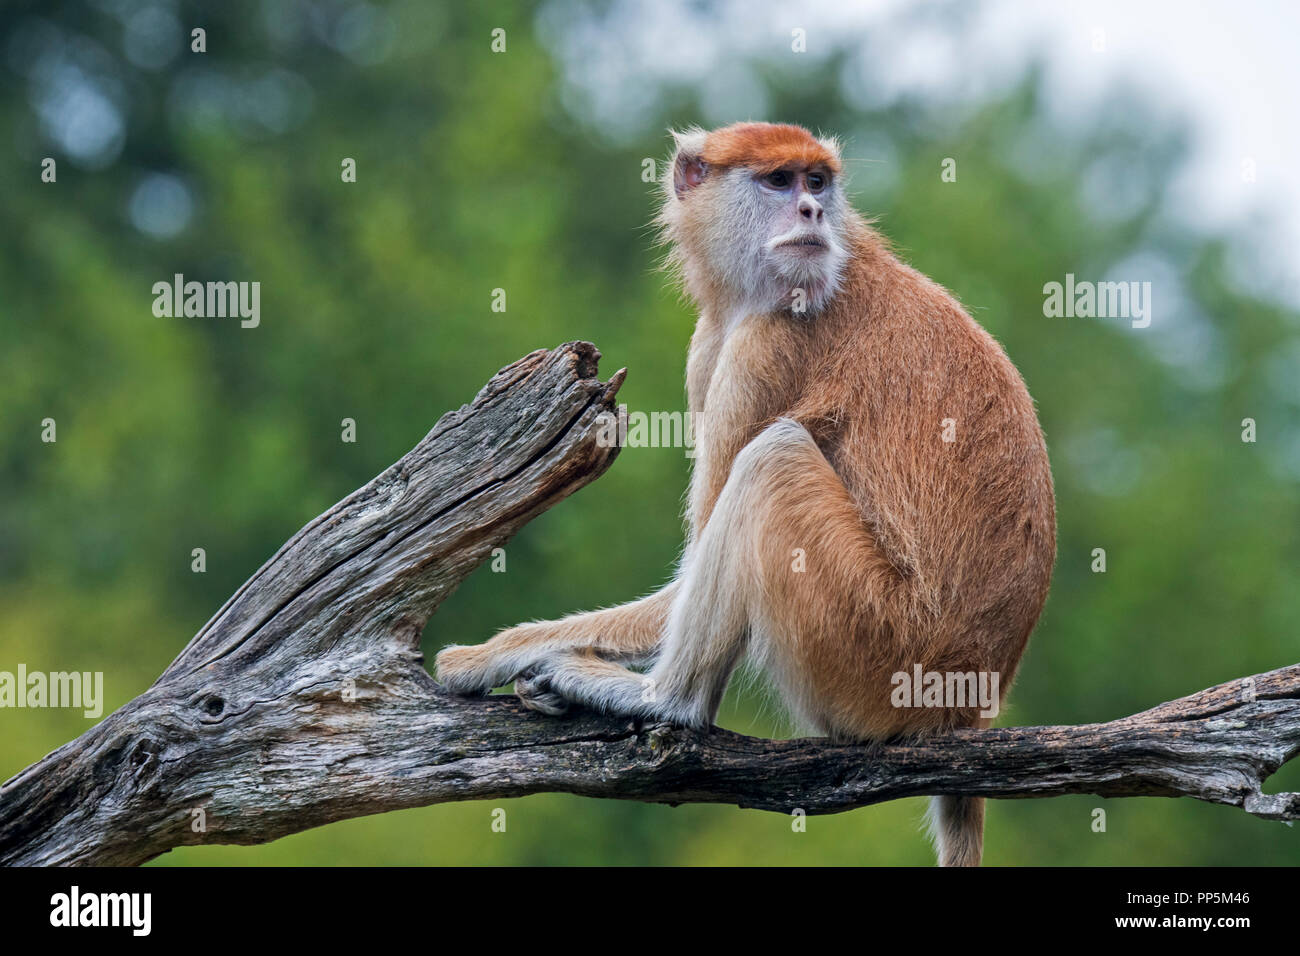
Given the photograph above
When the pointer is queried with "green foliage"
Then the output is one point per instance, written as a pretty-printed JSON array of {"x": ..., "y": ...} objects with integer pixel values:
[{"x": 176, "y": 433}]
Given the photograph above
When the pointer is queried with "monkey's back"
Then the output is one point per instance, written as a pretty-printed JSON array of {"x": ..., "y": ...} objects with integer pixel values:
[{"x": 934, "y": 434}]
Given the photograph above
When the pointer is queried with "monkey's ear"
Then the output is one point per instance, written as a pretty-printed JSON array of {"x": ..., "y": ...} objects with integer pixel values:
[{"x": 689, "y": 170}]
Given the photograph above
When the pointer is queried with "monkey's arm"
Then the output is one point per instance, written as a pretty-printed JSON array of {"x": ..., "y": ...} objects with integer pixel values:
[{"x": 628, "y": 633}]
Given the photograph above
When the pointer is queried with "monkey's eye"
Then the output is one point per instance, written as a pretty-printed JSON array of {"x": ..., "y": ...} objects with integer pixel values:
[
  {"x": 816, "y": 182},
  {"x": 777, "y": 180}
]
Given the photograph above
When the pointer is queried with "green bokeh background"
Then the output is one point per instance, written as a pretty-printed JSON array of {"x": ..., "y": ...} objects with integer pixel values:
[{"x": 475, "y": 172}]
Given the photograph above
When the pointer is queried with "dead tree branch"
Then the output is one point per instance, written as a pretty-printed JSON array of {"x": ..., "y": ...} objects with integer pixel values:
[{"x": 305, "y": 700}]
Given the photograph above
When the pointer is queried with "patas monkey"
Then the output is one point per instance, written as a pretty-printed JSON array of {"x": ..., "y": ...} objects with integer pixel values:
[{"x": 871, "y": 490}]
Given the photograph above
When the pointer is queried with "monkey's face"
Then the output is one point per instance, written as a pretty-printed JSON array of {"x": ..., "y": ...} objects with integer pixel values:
[
  {"x": 802, "y": 249},
  {"x": 764, "y": 234},
  {"x": 757, "y": 217},
  {"x": 775, "y": 238}
]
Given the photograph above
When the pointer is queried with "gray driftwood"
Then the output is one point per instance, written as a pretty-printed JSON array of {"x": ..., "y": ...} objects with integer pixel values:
[{"x": 305, "y": 700}]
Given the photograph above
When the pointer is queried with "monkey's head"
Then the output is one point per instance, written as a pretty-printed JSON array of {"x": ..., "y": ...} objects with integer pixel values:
[{"x": 757, "y": 218}]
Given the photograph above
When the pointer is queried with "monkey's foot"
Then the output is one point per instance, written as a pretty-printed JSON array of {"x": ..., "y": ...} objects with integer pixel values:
[
  {"x": 563, "y": 679},
  {"x": 535, "y": 693}
]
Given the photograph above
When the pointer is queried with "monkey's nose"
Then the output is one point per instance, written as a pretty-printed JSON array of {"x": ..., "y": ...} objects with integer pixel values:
[{"x": 810, "y": 208}]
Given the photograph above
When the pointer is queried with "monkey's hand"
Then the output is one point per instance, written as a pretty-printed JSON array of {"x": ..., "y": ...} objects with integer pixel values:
[
  {"x": 477, "y": 668},
  {"x": 467, "y": 670}
]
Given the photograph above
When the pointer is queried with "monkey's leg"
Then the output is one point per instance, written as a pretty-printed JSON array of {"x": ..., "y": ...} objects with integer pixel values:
[
  {"x": 785, "y": 561},
  {"x": 629, "y": 632},
  {"x": 781, "y": 495}
]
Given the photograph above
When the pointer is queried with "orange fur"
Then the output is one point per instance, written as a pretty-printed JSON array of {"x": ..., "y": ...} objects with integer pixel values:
[
  {"x": 919, "y": 551},
  {"x": 819, "y": 434},
  {"x": 765, "y": 147}
]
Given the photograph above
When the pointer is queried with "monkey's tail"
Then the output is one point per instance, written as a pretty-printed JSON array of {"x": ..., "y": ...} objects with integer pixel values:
[{"x": 956, "y": 826}]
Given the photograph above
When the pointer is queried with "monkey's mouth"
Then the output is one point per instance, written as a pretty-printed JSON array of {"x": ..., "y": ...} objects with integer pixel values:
[{"x": 801, "y": 242}]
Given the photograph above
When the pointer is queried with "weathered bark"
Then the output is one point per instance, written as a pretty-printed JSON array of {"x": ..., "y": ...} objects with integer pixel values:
[{"x": 305, "y": 700}]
